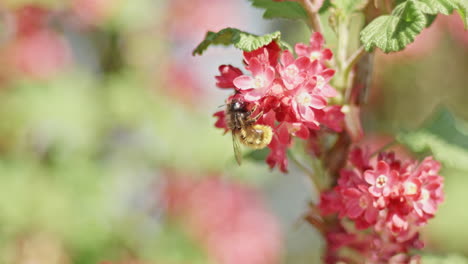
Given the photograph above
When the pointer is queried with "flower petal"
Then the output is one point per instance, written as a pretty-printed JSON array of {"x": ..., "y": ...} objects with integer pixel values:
[{"x": 244, "y": 82}]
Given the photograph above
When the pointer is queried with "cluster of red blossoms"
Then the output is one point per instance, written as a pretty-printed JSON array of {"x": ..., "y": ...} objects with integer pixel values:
[
  {"x": 292, "y": 93},
  {"x": 388, "y": 197}
]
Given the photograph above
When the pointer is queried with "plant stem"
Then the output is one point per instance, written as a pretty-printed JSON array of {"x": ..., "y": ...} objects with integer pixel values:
[
  {"x": 312, "y": 10},
  {"x": 311, "y": 174},
  {"x": 318, "y": 224},
  {"x": 354, "y": 58}
]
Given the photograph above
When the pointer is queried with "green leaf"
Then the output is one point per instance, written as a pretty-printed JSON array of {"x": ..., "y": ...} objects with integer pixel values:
[
  {"x": 446, "y": 7},
  {"x": 240, "y": 39},
  {"x": 445, "y": 136},
  {"x": 286, "y": 9},
  {"x": 393, "y": 32},
  {"x": 326, "y": 4}
]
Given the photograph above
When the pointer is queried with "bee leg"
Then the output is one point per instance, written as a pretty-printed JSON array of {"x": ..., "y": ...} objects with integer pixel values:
[
  {"x": 251, "y": 121},
  {"x": 252, "y": 110},
  {"x": 255, "y": 118}
]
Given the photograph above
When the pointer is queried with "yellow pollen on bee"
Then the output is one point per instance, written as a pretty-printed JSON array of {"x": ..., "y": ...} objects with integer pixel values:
[
  {"x": 381, "y": 181},
  {"x": 315, "y": 55},
  {"x": 259, "y": 82},
  {"x": 304, "y": 98}
]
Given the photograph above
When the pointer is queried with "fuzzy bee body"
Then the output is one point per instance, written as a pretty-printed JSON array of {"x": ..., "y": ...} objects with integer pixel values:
[{"x": 244, "y": 130}]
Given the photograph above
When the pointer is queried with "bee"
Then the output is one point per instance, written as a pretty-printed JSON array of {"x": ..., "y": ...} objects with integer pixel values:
[{"x": 244, "y": 130}]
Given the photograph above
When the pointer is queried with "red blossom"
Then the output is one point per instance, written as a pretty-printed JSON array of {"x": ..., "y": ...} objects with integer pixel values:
[
  {"x": 268, "y": 54},
  {"x": 381, "y": 180},
  {"x": 221, "y": 122},
  {"x": 391, "y": 198},
  {"x": 227, "y": 76},
  {"x": 315, "y": 49},
  {"x": 257, "y": 86},
  {"x": 295, "y": 91}
]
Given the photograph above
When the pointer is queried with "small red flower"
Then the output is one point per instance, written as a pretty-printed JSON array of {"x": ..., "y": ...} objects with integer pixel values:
[
  {"x": 227, "y": 76},
  {"x": 381, "y": 180},
  {"x": 359, "y": 205},
  {"x": 315, "y": 49},
  {"x": 258, "y": 85}
]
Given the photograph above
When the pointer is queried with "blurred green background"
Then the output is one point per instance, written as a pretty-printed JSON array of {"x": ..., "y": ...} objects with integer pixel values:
[{"x": 101, "y": 102}]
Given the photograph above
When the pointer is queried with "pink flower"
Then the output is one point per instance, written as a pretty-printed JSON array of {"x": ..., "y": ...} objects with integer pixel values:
[
  {"x": 389, "y": 198},
  {"x": 381, "y": 180},
  {"x": 331, "y": 117},
  {"x": 332, "y": 202},
  {"x": 221, "y": 122},
  {"x": 278, "y": 149},
  {"x": 303, "y": 104},
  {"x": 315, "y": 49},
  {"x": 320, "y": 80},
  {"x": 359, "y": 205},
  {"x": 292, "y": 71},
  {"x": 294, "y": 90},
  {"x": 40, "y": 55},
  {"x": 258, "y": 85}
]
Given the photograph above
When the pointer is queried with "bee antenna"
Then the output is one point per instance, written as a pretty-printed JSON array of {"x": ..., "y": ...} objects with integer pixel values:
[{"x": 221, "y": 105}]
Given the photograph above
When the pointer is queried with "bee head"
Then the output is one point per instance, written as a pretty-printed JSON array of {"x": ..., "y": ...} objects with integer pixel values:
[{"x": 237, "y": 105}]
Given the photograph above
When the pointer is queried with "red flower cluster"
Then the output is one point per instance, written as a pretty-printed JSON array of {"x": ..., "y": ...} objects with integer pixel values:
[
  {"x": 390, "y": 197},
  {"x": 291, "y": 92}
]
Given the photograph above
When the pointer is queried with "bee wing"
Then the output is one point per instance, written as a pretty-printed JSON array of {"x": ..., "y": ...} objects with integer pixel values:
[{"x": 237, "y": 150}]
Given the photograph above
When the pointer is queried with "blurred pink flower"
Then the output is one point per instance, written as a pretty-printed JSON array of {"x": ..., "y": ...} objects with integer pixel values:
[
  {"x": 191, "y": 19},
  {"x": 93, "y": 12},
  {"x": 40, "y": 55},
  {"x": 228, "y": 219},
  {"x": 181, "y": 83},
  {"x": 34, "y": 50},
  {"x": 455, "y": 26}
]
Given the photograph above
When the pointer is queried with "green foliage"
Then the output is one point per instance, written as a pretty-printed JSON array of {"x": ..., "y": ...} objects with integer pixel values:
[
  {"x": 326, "y": 4},
  {"x": 445, "y": 136},
  {"x": 286, "y": 9},
  {"x": 174, "y": 246},
  {"x": 240, "y": 39},
  {"x": 450, "y": 259},
  {"x": 446, "y": 7},
  {"x": 394, "y": 32}
]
